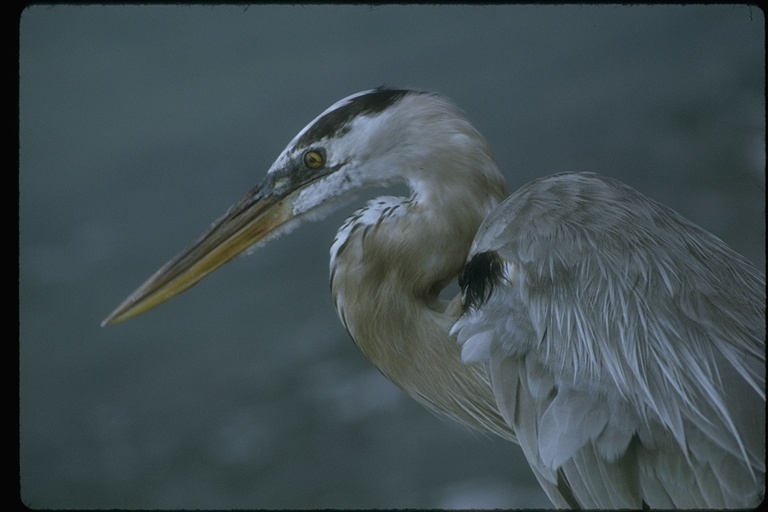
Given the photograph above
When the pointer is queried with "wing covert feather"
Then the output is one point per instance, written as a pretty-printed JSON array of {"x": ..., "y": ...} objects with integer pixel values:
[{"x": 626, "y": 347}]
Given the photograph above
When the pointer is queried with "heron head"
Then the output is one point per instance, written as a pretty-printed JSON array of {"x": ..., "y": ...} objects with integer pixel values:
[
  {"x": 346, "y": 148},
  {"x": 371, "y": 138}
]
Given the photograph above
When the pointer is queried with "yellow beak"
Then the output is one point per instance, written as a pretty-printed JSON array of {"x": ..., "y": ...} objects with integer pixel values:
[{"x": 247, "y": 222}]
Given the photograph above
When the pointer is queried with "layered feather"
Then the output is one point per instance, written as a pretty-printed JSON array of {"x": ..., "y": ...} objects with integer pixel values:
[{"x": 627, "y": 350}]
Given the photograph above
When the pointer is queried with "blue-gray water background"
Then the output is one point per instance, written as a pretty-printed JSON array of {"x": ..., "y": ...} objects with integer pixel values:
[{"x": 140, "y": 125}]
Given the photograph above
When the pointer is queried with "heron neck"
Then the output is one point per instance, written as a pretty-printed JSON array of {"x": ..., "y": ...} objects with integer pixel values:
[{"x": 389, "y": 263}]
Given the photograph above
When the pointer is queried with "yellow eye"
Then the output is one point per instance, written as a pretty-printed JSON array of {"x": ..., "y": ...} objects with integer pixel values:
[{"x": 314, "y": 159}]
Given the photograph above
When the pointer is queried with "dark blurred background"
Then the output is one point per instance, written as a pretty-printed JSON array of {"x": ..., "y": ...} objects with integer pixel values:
[{"x": 139, "y": 125}]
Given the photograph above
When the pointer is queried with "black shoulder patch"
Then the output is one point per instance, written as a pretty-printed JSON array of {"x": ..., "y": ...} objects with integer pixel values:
[
  {"x": 336, "y": 122},
  {"x": 478, "y": 279}
]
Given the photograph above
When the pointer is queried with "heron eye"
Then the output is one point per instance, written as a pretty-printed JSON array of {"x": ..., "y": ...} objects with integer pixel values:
[{"x": 314, "y": 159}]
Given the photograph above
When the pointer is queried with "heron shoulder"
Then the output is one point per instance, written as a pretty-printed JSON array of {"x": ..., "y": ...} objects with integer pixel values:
[
  {"x": 588, "y": 296},
  {"x": 607, "y": 267}
]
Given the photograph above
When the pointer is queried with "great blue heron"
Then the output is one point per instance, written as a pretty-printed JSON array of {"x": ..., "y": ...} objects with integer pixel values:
[{"x": 621, "y": 345}]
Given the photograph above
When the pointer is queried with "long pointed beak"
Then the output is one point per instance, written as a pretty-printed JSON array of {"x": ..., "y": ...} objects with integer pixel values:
[{"x": 261, "y": 211}]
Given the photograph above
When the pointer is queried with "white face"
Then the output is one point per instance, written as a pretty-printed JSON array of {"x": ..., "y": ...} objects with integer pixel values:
[
  {"x": 295, "y": 146},
  {"x": 373, "y": 138},
  {"x": 341, "y": 151}
]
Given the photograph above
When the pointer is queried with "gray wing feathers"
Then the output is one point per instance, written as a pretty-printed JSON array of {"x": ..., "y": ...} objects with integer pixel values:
[{"x": 626, "y": 347}]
